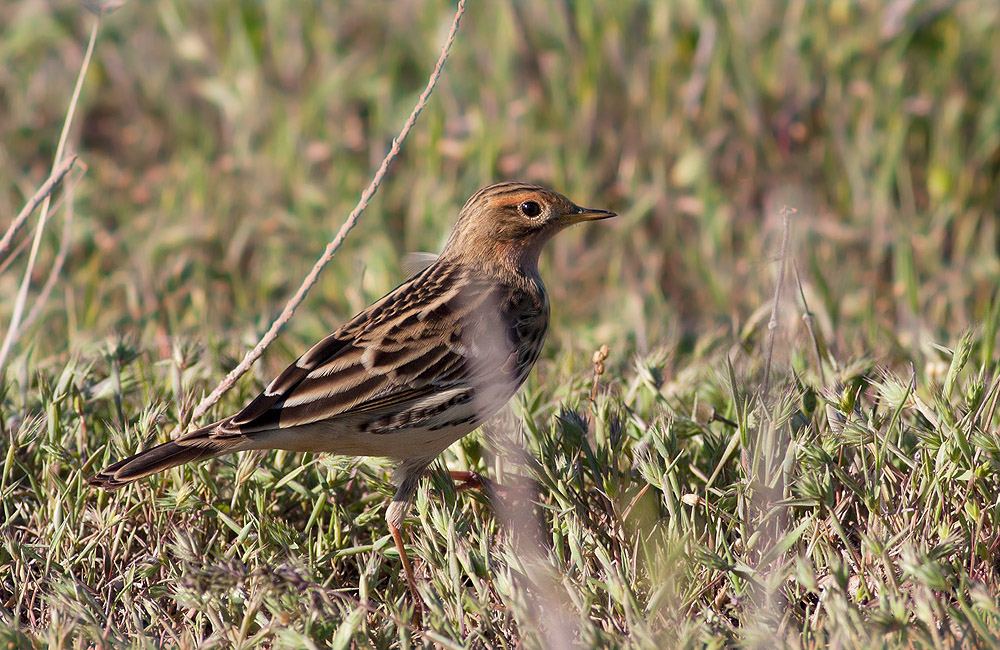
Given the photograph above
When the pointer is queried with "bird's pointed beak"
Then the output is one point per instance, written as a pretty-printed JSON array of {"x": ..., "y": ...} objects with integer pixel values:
[{"x": 588, "y": 214}]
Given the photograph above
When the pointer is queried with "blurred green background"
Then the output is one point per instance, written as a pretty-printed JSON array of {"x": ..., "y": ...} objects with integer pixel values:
[{"x": 227, "y": 141}]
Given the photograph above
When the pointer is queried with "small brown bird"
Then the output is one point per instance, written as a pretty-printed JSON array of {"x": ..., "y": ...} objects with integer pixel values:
[{"x": 417, "y": 370}]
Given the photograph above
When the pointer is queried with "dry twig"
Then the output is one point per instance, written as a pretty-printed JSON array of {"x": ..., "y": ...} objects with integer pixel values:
[
  {"x": 40, "y": 195},
  {"x": 57, "y": 265}
]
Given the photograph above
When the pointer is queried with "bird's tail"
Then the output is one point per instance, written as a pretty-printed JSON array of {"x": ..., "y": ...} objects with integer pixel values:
[{"x": 196, "y": 445}]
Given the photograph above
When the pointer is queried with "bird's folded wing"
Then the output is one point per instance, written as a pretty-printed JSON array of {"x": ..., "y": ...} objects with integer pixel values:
[{"x": 389, "y": 355}]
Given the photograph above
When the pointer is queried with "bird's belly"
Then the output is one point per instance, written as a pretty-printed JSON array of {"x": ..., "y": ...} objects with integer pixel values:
[{"x": 428, "y": 438}]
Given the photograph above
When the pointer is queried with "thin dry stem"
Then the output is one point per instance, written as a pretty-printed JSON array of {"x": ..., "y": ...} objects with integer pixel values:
[
  {"x": 13, "y": 331},
  {"x": 600, "y": 356},
  {"x": 57, "y": 265},
  {"x": 988, "y": 406},
  {"x": 808, "y": 319},
  {"x": 338, "y": 240},
  {"x": 772, "y": 325},
  {"x": 26, "y": 243},
  {"x": 41, "y": 194},
  {"x": 14, "y": 254}
]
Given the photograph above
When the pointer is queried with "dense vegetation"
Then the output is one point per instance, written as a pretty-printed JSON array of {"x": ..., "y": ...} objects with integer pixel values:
[{"x": 706, "y": 485}]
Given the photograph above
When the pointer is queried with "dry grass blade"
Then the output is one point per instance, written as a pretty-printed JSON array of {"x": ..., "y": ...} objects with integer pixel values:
[
  {"x": 57, "y": 265},
  {"x": 807, "y": 318},
  {"x": 772, "y": 324}
]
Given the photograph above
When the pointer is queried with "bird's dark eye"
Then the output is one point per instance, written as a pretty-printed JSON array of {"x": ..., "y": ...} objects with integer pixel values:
[{"x": 530, "y": 209}]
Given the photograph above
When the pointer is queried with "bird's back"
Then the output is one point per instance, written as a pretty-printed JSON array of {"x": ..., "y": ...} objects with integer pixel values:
[{"x": 434, "y": 358}]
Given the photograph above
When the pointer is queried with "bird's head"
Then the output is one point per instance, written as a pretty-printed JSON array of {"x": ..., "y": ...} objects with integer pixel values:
[{"x": 511, "y": 222}]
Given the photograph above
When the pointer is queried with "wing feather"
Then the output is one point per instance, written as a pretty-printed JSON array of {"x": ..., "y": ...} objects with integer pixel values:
[{"x": 430, "y": 333}]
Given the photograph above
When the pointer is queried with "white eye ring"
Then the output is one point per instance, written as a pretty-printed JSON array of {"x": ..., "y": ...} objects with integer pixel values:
[{"x": 530, "y": 209}]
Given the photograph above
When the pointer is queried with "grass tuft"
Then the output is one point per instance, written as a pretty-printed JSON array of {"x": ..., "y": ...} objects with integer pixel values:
[{"x": 743, "y": 460}]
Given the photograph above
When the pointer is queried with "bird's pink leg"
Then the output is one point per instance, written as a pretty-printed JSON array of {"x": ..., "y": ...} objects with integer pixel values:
[{"x": 418, "y": 603}]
